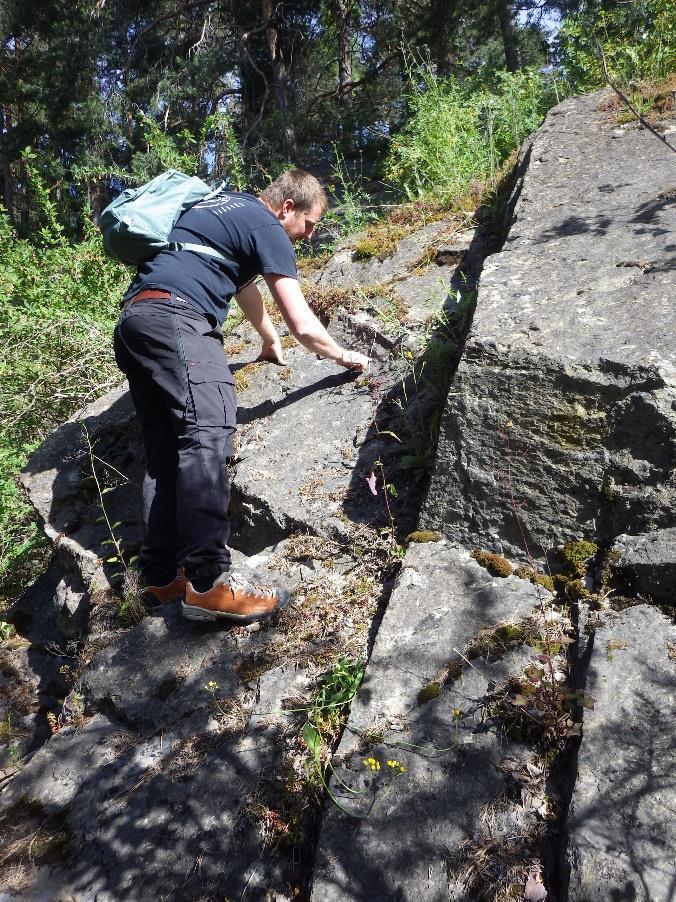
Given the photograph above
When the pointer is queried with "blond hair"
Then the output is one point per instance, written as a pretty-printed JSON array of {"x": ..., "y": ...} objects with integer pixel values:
[{"x": 299, "y": 186}]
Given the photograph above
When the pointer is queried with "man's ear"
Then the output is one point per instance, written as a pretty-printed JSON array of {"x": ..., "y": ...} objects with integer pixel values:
[{"x": 288, "y": 206}]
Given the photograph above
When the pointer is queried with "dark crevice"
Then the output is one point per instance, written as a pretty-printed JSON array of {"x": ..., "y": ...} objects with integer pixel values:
[{"x": 563, "y": 774}]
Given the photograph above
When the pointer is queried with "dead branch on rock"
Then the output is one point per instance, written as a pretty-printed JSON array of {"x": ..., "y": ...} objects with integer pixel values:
[{"x": 644, "y": 122}]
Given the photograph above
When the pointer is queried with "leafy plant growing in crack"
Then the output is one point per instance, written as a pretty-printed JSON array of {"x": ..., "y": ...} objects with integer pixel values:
[
  {"x": 132, "y": 610},
  {"x": 327, "y": 714}
]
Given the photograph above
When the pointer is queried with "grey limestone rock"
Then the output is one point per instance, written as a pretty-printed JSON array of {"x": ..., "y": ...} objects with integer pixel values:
[
  {"x": 646, "y": 564},
  {"x": 345, "y": 271},
  {"x": 563, "y": 405},
  {"x": 157, "y": 786},
  {"x": 413, "y": 822},
  {"x": 298, "y": 442},
  {"x": 621, "y": 825}
]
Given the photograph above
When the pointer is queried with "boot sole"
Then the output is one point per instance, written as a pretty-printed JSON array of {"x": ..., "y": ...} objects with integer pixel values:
[{"x": 206, "y": 615}]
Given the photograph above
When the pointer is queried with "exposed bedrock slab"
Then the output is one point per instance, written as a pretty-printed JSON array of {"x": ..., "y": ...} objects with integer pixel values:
[
  {"x": 156, "y": 791},
  {"x": 564, "y": 405},
  {"x": 344, "y": 271},
  {"x": 646, "y": 565},
  {"x": 412, "y": 822},
  {"x": 621, "y": 825},
  {"x": 59, "y": 483},
  {"x": 306, "y": 442},
  {"x": 310, "y": 434},
  {"x": 300, "y": 430},
  {"x": 574, "y": 450}
]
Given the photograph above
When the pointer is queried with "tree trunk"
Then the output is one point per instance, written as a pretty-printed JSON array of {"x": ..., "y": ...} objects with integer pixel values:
[
  {"x": 6, "y": 198},
  {"x": 509, "y": 38},
  {"x": 443, "y": 16},
  {"x": 344, "y": 55},
  {"x": 251, "y": 110},
  {"x": 280, "y": 82}
]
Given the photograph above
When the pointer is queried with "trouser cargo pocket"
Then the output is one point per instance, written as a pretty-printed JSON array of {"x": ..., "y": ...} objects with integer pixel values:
[{"x": 212, "y": 389}]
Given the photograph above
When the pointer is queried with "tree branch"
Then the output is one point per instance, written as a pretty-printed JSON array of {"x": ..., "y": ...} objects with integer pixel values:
[
  {"x": 351, "y": 85},
  {"x": 193, "y": 4},
  {"x": 644, "y": 122}
]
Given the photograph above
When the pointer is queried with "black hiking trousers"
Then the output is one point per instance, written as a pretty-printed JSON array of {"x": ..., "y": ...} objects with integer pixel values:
[{"x": 185, "y": 399}]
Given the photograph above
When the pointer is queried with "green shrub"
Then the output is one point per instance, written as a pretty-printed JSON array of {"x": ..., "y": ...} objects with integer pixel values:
[
  {"x": 456, "y": 136},
  {"x": 58, "y": 305},
  {"x": 638, "y": 41}
]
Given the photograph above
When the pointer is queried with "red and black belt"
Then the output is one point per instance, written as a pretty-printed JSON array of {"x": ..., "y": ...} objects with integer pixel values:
[{"x": 149, "y": 294}]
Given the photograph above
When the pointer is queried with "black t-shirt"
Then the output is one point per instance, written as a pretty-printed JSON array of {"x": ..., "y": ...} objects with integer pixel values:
[{"x": 241, "y": 228}]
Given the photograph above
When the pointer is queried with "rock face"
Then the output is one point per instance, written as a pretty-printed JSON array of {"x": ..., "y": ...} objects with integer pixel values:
[
  {"x": 406, "y": 825},
  {"x": 646, "y": 565},
  {"x": 163, "y": 779},
  {"x": 621, "y": 825},
  {"x": 563, "y": 405}
]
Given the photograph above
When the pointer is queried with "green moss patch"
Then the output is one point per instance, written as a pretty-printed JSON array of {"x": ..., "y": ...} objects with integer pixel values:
[
  {"x": 540, "y": 579},
  {"x": 576, "y": 423},
  {"x": 451, "y": 672},
  {"x": 429, "y": 692},
  {"x": 380, "y": 241},
  {"x": 423, "y": 535},
  {"x": 494, "y": 563},
  {"x": 576, "y": 554},
  {"x": 493, "y": 643}
]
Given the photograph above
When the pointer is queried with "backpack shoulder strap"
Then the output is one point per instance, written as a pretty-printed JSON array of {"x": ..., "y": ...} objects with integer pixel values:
[
  {"x": 200, "y": 249},
  {"x": 204, "y": 248}
]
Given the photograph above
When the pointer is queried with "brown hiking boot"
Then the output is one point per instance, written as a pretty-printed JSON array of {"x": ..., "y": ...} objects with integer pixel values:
[
  {"x": 232, "y": 597},
  {"x": 164, "y": 594}
]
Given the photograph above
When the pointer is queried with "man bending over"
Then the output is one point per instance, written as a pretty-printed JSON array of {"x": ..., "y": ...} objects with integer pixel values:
[{"x": 169, "y": 343}]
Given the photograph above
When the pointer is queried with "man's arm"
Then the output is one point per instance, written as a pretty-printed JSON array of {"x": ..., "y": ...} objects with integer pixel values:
[
  {"x": 306, "y": 328},
  {"x": 251, "y": 304}
]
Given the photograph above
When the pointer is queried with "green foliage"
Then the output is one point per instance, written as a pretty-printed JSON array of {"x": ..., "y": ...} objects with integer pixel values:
[
  {"x": 186, "y": 151},
  {"x": 22, "y": 543},
  {"x": 228, "y": 154},
  {"x": 58, "y": 304},
  {"x": 336, "y": 689},
  {"x": 162, "y": 151},
  {"x": 349, "y": 191},
  {"x": 638, "y": 40},
  {"x": 456, "y": 137}
]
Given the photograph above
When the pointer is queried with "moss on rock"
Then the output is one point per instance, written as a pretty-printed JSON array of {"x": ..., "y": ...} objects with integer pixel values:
[
  {"x": 423, "y": 535},
  {"x": 494, "y": 563},
  {"x": 540, "y": 579},
  {"x": 576, "y": 554},
  {"x": 429, "y": 692}
]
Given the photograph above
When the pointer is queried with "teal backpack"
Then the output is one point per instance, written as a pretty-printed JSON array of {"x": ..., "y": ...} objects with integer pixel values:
[{"x": 138, "y": 222}]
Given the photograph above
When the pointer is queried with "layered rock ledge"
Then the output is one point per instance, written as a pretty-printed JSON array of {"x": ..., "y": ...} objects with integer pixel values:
[{"x": 563, "y": 407}]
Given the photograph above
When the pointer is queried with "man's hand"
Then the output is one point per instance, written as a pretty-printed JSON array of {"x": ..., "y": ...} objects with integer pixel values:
[
  {"x": 353, "y": 360},
  {"x": 306, "y": 328},
  {"x": 272, "y": 352}
]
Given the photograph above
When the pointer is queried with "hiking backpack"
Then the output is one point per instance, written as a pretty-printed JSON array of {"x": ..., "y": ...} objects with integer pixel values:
[{"x": 138, "y": 222}]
